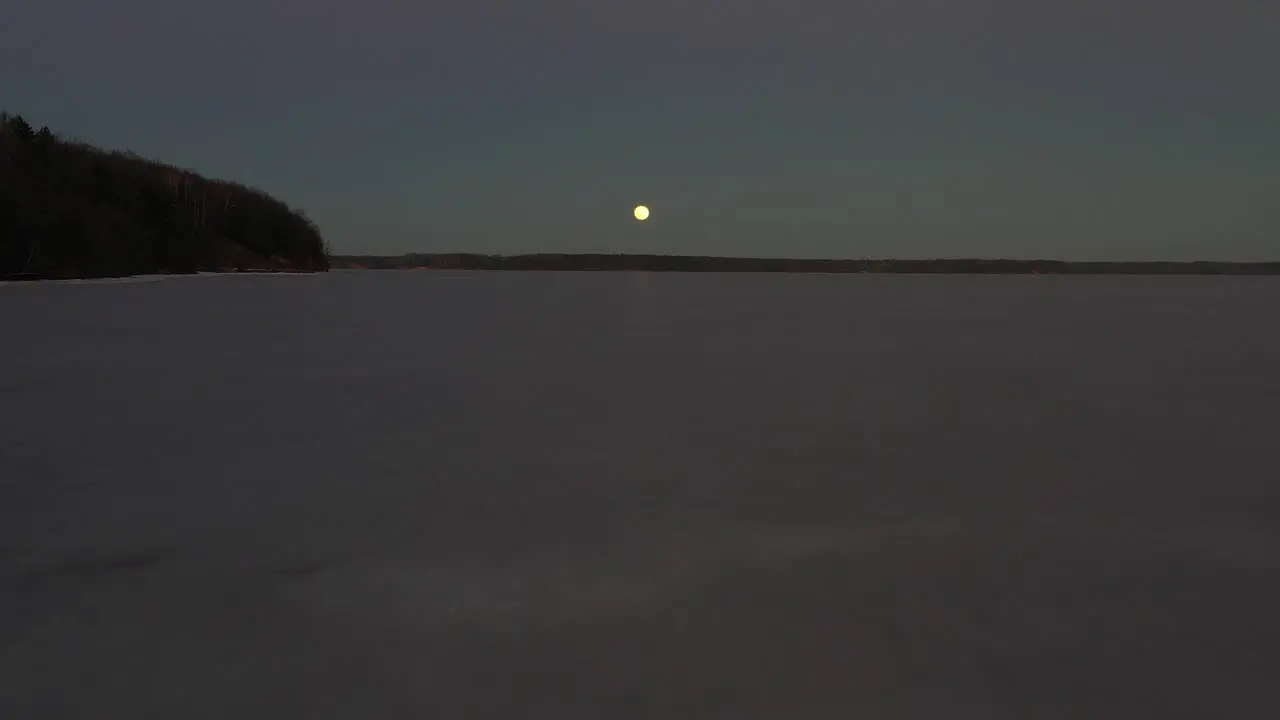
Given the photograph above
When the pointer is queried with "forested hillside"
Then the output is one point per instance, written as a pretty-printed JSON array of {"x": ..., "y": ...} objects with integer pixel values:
[{"x": 68, "y": 209}]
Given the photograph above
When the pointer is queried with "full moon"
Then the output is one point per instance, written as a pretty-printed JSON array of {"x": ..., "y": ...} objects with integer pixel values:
[{"x": 642, "y": 212}]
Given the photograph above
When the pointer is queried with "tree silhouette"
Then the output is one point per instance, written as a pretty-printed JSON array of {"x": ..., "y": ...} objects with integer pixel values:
[{"x": 68, "y": 209}]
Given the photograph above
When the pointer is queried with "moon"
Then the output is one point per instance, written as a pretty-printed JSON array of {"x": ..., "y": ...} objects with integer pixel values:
[{"x": 641, "y": 212}]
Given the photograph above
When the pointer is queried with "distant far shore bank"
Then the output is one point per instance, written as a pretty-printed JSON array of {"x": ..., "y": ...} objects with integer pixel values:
[{"x": 695, "y": 263}]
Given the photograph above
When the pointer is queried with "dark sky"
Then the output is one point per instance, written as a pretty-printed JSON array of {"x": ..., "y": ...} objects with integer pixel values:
[{"x": 1073, "y": 129}]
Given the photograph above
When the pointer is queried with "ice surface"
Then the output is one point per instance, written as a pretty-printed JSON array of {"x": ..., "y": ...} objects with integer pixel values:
[{"x": 600, "y": 495}]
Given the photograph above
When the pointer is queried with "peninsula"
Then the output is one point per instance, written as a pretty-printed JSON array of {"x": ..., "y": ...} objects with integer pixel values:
[{"x": 71, "y": 210}]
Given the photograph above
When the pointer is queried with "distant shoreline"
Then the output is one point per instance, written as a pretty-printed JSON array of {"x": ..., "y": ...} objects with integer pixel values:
[{"x": 698, "y": 263}]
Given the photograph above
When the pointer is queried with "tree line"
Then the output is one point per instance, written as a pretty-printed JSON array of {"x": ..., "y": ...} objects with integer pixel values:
[
  {"x": 698, "y": 263},
  {"x": 68, "y": 209}
]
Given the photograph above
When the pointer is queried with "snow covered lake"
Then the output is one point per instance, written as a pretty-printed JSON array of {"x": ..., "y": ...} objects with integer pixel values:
[{"x": 626, "y": 495}]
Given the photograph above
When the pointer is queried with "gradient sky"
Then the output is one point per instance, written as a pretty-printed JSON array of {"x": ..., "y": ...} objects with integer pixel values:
[{"x": 1073, "y": 129}]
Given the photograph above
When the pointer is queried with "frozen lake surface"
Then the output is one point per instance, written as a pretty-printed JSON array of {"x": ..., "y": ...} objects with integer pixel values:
[{"x": 610, "y": 496}]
